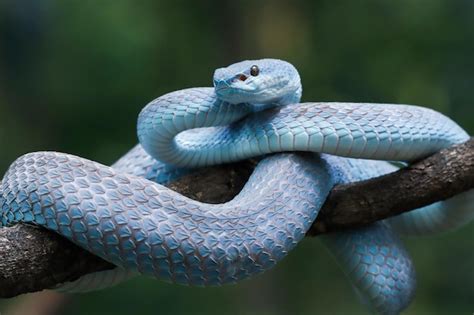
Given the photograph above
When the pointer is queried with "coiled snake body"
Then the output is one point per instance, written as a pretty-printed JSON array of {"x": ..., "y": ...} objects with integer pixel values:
[{"x": 123, "y": 214}]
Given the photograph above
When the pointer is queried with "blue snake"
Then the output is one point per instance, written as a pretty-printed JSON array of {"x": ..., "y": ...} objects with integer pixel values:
[{"x": 125, "y": 215}]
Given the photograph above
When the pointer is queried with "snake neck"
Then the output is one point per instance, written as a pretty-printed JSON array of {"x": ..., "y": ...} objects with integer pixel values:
[{"x": 167, "y": 125}]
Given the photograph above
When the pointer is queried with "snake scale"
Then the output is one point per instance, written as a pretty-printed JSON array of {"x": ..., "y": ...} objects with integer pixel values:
[{"x": 126, "y": 216}]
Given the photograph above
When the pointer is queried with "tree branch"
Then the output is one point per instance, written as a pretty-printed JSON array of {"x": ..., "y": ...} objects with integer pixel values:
[
  {"x": 34, "y": 259},
  {"x": 436, "y": 178}
]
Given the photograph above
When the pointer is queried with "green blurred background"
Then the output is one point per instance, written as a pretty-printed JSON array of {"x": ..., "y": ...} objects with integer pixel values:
[{"x": 75, "y": 74}]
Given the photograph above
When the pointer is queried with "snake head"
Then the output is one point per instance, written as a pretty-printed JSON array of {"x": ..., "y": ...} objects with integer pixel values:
[{"x": 263, "y": 81}]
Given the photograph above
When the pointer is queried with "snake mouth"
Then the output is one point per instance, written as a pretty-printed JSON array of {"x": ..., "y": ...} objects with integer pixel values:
[
  {"x": 221, "y": 88},
  {"x": 220, "y": 85}
]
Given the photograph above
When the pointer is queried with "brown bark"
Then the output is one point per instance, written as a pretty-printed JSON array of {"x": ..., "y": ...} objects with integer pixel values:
[
  {"x": 34, "y": 259},
  {"x": 438, "y": 177}
]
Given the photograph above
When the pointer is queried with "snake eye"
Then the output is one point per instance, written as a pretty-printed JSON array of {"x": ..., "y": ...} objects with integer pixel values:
[{"x": 254, "y": 70}]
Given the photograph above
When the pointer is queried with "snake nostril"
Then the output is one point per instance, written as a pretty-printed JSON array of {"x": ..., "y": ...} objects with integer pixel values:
[{"x": 242, "y": 77}]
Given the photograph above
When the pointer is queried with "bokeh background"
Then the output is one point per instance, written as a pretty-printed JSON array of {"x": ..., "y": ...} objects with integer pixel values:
[{"x": 75, "y": 74}]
